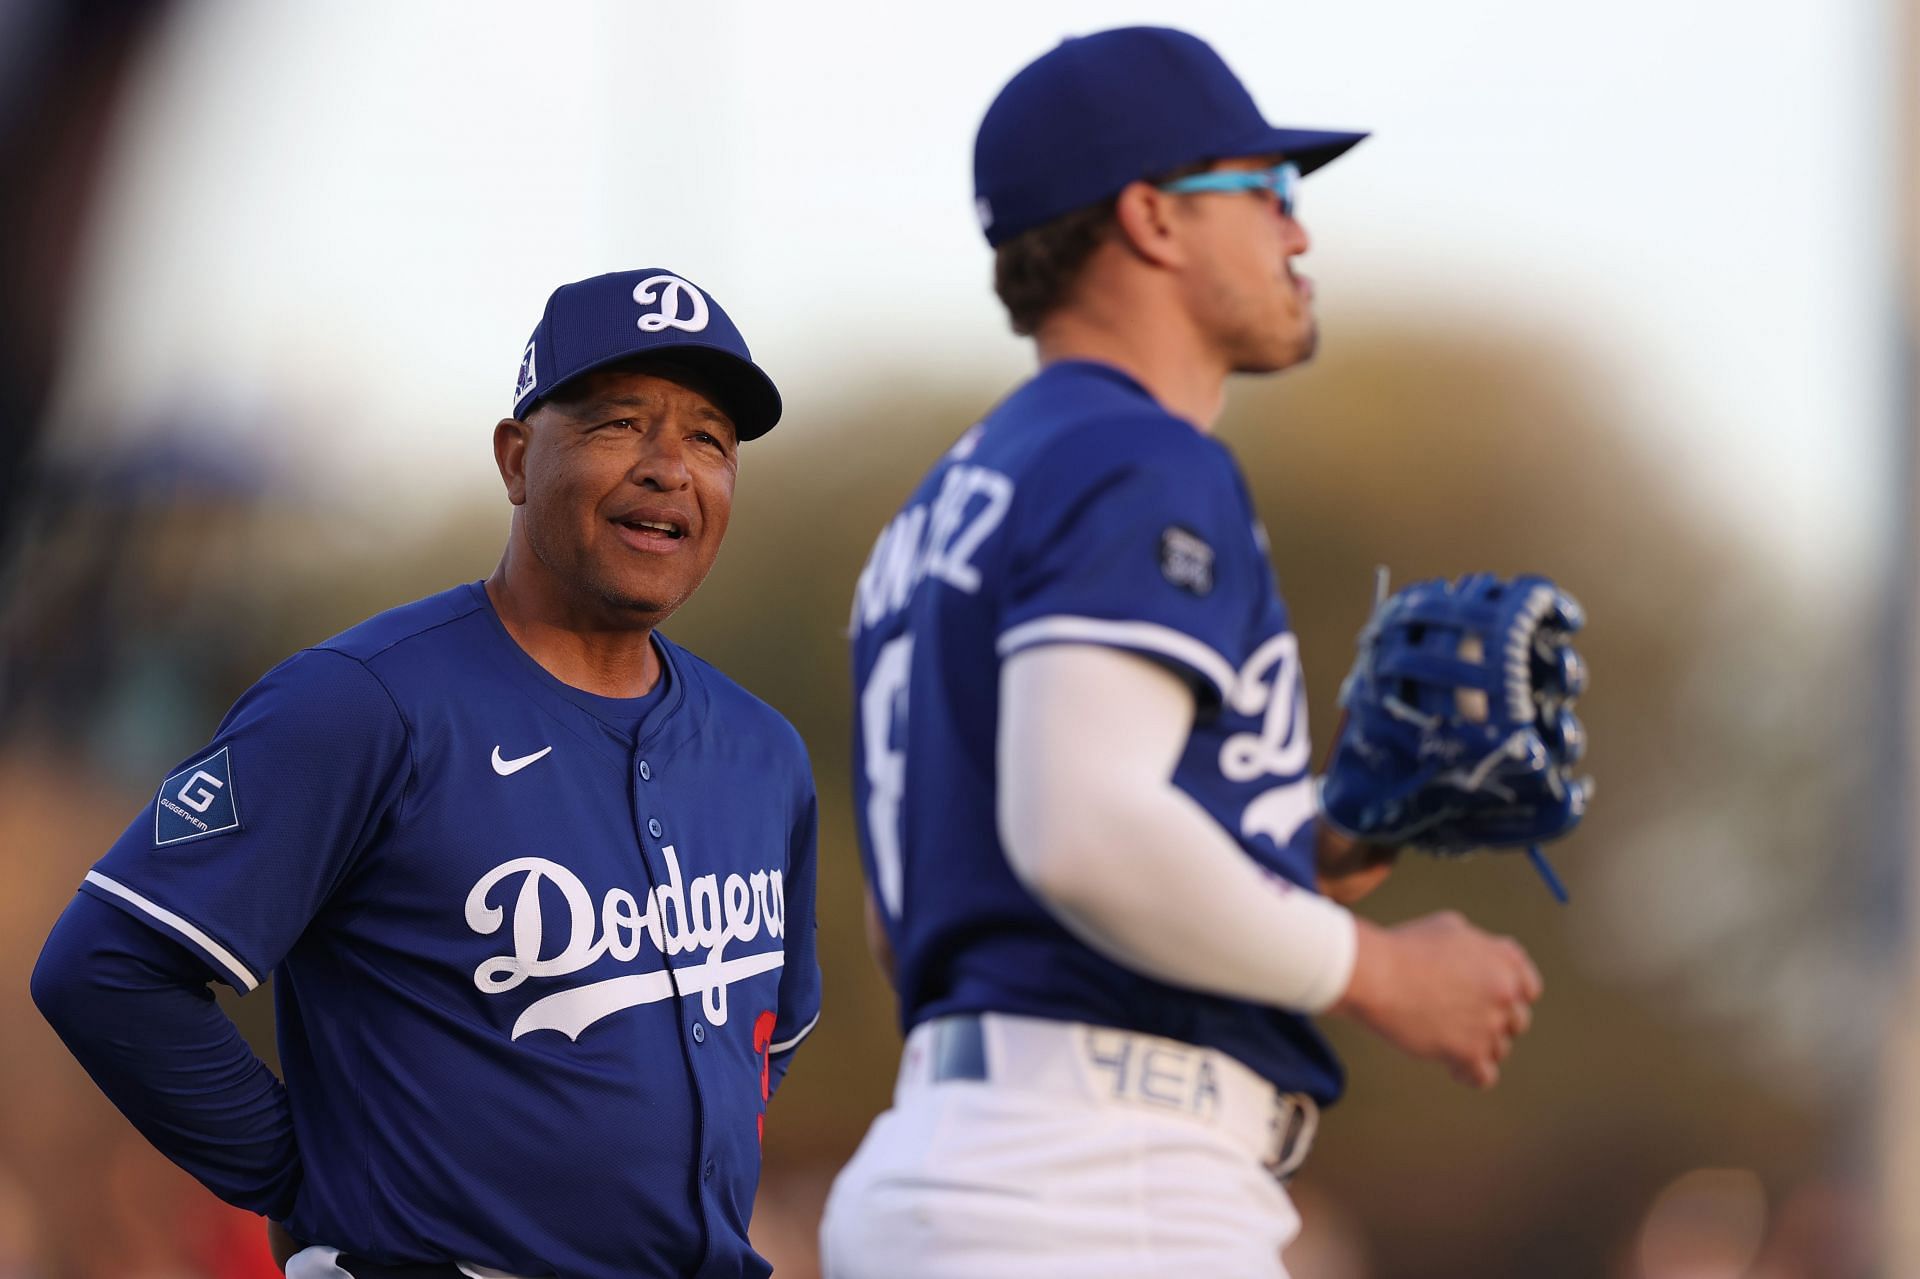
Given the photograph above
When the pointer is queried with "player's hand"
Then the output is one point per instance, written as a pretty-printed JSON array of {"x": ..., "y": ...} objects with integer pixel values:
[{"x": 1440, "y": 989}]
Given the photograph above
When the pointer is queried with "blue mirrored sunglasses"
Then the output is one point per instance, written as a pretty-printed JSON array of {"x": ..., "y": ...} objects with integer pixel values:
[{"x": 1282, "y": 179}]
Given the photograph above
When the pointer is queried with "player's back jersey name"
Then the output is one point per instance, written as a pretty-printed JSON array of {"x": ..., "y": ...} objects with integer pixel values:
[
  {"x": 1077, "y": 512},
  {"x": 935, "y": 539}
]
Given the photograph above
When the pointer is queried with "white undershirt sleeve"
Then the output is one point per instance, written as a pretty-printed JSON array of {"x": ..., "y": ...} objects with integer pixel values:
[{"x": 1095, "y": 828}]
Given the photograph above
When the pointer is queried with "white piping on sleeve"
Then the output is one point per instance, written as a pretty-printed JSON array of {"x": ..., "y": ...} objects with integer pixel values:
[
  {"x": 1150, "y": 636},
  {"x": 211, "y": 948},
  {"x": 788, "y": 1044}
]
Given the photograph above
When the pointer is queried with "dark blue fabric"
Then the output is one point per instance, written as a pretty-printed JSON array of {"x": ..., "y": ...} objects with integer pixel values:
[
  {"x": 623, "y": 713},
  {"x": 447, "y": 858},
  {"x": 134, "y": 1009},
  {"x": 1051, "y": 522},
  {"x": 1097, "y": 112}
]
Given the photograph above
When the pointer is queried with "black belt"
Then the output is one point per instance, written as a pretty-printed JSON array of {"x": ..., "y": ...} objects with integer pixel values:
[{"x": 361, "y": 1268}]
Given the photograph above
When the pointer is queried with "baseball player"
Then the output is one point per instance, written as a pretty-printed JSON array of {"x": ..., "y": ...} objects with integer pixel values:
[
  {"x": 1082, "y": 771},
  {"x": 535, "y": 883}
]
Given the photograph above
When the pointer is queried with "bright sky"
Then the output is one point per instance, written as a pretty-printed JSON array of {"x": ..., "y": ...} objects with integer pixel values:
[{"x": 343, "y": 218}]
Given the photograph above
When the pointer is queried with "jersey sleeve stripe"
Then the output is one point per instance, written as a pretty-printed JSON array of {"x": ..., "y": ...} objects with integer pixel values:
[
  {"x": 207, "y": 945},
  {"x": 786, "y": 1045},
  {"x": 1145, "y": 636}
]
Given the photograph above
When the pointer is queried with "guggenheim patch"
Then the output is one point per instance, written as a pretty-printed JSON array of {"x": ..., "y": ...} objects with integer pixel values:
[{"x": 196, "y": 801}]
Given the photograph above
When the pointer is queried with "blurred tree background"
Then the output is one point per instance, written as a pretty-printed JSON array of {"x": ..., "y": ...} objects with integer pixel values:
[
  {"x": 1713, "y": 989},
  {"x": 256, "y": 269}
]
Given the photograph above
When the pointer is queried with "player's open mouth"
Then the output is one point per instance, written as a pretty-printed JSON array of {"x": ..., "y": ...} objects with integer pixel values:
[{"x": 650, "y": 534}]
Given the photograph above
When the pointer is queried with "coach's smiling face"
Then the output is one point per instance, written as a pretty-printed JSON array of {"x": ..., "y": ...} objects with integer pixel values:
[{"x": 624, "y": 484}]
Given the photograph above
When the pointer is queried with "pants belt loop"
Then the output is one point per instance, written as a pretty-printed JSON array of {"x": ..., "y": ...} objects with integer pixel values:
[
  {"x": 959, "y": 1048},
  {"x": 1296, "y": 1117}
]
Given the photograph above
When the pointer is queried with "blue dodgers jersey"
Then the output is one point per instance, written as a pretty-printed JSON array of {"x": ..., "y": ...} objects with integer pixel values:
[
  {"x": 534, "y": 977},
  {"x": 1079, "y": 511}
]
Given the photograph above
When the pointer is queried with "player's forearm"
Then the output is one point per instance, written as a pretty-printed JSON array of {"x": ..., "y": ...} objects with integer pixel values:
[
  {"x": 135, "y": 1010},
  {"x": 1094, "y": 827},
  {"x": 1176, "y": 909}
]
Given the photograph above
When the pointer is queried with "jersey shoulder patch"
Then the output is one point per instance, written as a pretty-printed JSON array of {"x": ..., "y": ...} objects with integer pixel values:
[
  {"x": 1186, "y": 560},
  {"x": 197, "y": 801}
]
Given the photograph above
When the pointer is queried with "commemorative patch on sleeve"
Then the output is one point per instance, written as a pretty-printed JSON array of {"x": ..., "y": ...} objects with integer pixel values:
[
  {"x": 198, "y": 800},
  {"x": 1186, "y": 560}
]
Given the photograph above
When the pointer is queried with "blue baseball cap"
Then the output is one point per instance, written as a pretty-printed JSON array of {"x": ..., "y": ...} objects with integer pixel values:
[
  {"x": 593, "y": 323},
  {"x": 1099, "y": 111}
]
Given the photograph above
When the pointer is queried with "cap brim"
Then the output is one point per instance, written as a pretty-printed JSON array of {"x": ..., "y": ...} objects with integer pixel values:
[
  {"x": 747, "y": 395},
  {"x": 1308, "y": 148}
]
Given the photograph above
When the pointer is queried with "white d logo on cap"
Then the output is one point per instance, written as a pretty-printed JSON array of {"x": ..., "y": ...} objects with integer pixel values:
[{"x": 672, "y": 289}]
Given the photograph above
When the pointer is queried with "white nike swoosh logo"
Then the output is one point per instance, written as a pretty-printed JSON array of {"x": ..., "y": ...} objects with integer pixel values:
[{"x": 508, "y": 767}]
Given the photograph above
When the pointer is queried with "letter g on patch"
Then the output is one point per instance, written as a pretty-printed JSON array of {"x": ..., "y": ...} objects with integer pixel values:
[{"x": 197, "y": 801}]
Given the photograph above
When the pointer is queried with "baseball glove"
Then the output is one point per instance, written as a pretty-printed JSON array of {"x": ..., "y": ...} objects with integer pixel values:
[{"x": 1459, "y": 729}]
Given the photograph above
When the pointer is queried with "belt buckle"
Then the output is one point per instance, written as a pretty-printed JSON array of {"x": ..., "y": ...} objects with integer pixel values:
[{"x": 1294, "y": 1120}]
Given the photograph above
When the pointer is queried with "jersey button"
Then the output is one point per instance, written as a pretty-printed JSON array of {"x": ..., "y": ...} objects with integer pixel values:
[
  {"x": 646, "y": 773},
  {"x": 699, "y": 1032},
  {"x": 707, "y": 1172},
  {"x": 653, "y": 827}
]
